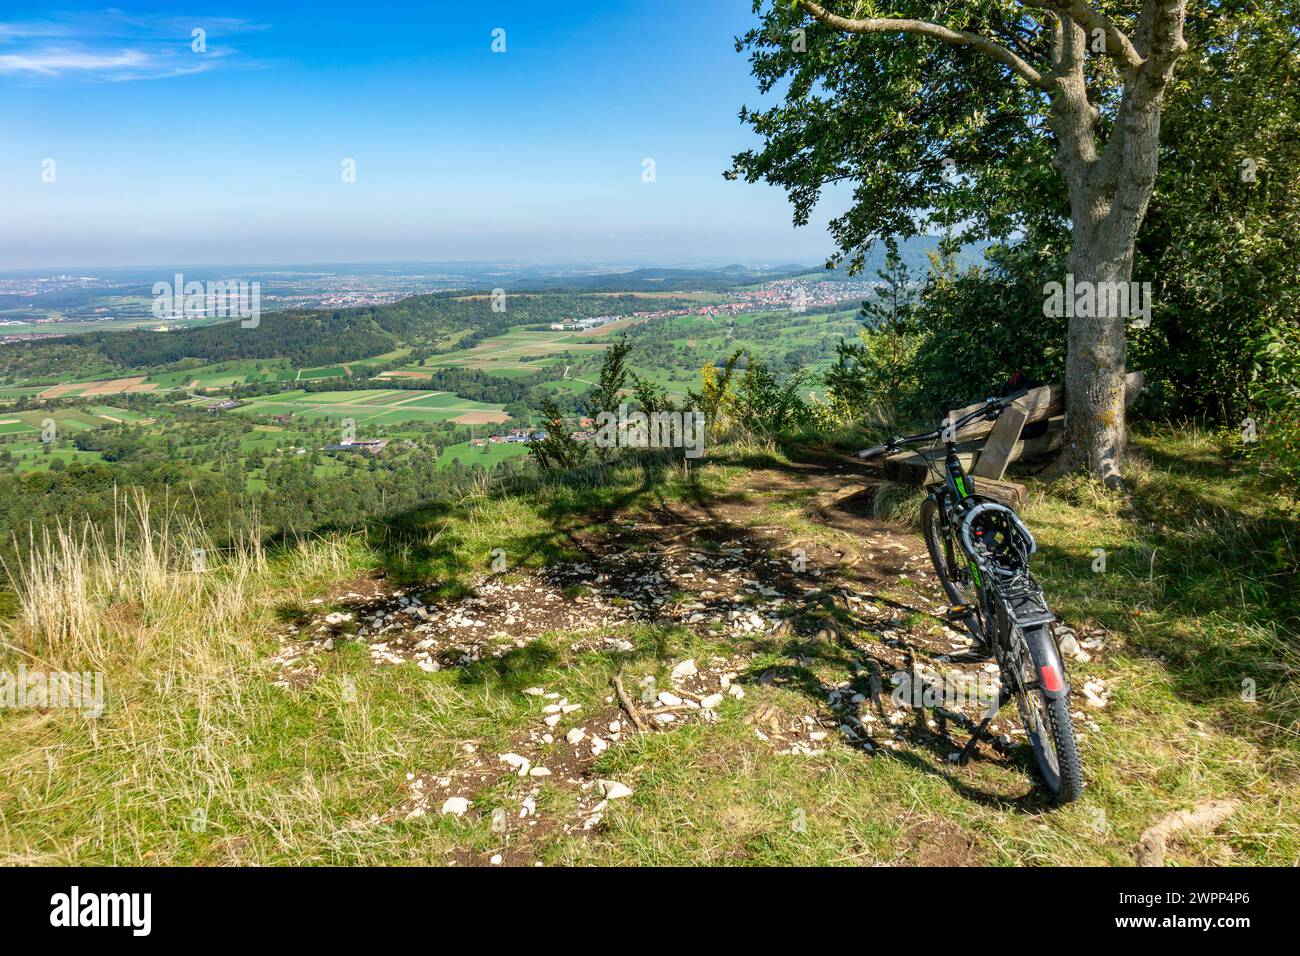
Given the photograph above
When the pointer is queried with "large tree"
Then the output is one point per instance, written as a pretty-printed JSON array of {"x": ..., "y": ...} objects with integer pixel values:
[{"x": 964, "y": 113}]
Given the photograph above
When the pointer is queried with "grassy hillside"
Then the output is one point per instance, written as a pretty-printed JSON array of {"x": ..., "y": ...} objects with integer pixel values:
[{"x": 261, "y": 710}]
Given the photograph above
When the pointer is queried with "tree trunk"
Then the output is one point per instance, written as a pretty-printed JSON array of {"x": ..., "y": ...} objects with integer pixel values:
[
  {"x": 1109, "y": 196},
  {"x": 1095, "y": 428},
  {"x": 1109, "y": 193}
]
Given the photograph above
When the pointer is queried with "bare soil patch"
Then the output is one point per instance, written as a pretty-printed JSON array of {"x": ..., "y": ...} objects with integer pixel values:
[{"x": 481, "y": 418}]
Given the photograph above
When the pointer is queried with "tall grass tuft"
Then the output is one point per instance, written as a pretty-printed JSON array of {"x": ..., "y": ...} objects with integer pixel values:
[{"x": 87, "y": 594}]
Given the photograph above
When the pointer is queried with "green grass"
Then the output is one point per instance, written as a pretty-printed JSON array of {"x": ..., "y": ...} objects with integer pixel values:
[
  {"x": 374, "y": 406},
  {"x": 121, "y": 414},
  {"x": 332, "y": 371},
  {"x": 1198, "y": 595},
  {"x": 485, "y": 456},
  {"x": 223, "y": 374}
]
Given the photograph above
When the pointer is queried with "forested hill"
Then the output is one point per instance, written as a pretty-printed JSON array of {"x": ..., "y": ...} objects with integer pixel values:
[{"x": 315, "y": 338}]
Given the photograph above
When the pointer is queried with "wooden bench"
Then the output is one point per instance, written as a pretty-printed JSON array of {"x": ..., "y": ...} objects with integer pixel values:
[{"x": 986, "y": 448}]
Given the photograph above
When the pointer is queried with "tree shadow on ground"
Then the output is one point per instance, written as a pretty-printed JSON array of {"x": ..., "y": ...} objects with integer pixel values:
[{"x": 617, "y": 536}]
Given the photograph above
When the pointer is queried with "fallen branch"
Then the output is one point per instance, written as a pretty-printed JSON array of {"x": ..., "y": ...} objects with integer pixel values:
[{"x": 626, "y": 703}]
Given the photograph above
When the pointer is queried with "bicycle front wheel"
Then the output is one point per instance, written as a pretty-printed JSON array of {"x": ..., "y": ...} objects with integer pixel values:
[
  {"x": 954, "y": 573},
  {"x": 946, "y": 556}
]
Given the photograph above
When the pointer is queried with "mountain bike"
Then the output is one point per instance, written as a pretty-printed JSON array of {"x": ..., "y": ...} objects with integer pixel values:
[{"x": 980, "y": 550}]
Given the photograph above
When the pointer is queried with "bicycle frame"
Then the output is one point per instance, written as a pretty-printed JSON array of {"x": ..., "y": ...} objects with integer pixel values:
[
  {"x": 1004, "y": 603},
  {"x": 956, "y": 486}
]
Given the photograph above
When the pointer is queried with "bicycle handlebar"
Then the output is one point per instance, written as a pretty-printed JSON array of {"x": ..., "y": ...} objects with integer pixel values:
[{"x": 991, "y": 408}]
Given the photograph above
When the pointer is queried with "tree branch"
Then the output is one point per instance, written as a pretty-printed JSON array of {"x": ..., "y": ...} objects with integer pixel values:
[
  {"x": 935, "y": 32},
  {"x": 1072, "y": 117},
  {"x": 1118, "y": 46},
  {"x": 1166, "y": 38}
]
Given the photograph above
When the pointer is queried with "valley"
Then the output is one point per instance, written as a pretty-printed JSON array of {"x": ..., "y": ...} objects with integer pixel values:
[{"x": 288, "y": 420}]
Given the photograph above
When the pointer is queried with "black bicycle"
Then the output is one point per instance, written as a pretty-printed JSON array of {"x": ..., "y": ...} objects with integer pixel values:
[{"x": 980, "y": 549}]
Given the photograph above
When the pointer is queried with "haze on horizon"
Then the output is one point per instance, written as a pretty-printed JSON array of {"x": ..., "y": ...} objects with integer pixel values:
[{"x": 235, "y": 154}]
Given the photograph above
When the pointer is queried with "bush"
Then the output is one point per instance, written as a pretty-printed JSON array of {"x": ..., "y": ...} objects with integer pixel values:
[
  {"x": 766, "y": 404},
  {"x": 982, "y": 326},
  {"x": 963, "y": 338},
  {"x": 1277, "y": 395}
]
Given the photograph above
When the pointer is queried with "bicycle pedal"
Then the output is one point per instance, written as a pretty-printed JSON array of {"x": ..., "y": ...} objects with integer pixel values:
[{"x": 959, "y": 612}]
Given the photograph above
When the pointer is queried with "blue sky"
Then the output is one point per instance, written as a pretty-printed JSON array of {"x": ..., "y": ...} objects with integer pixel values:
[{"x": 234, "y": 155}]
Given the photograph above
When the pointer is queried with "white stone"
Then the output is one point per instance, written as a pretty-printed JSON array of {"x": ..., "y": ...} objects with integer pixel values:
[
  {"x": 516, "y": 762},
  {"x": 455, "y": 805},
  {"x": 613, "y": 790}
]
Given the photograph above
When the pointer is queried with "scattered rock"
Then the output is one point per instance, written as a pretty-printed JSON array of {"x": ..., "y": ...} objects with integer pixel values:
[
  {"x": 519, "y": 764},
  {"x": 613, "y": 790},
  {"x": 456, "y": 806},
  {"x": 1096, "y": 693}
]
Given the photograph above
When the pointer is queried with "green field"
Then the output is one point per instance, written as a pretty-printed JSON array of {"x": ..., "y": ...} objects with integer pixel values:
[
  {"x": 521, "y": 352},
  {"x": 223, "y": 374},
  {"x": 377, "y": 406},
  {"x": 486, "y": 456}
]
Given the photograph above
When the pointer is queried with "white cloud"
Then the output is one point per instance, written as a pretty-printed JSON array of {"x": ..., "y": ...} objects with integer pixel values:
[
  {"x": 53, "y": 62},
  {"x": 113, "y": 46}
]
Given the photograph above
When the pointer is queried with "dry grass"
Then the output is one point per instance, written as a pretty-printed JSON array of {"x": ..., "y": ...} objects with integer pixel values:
[{"x": 91, "y": 594}]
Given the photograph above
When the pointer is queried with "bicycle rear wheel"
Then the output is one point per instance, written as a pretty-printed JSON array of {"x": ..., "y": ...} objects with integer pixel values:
[{"x": 1046, "y": 718}]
